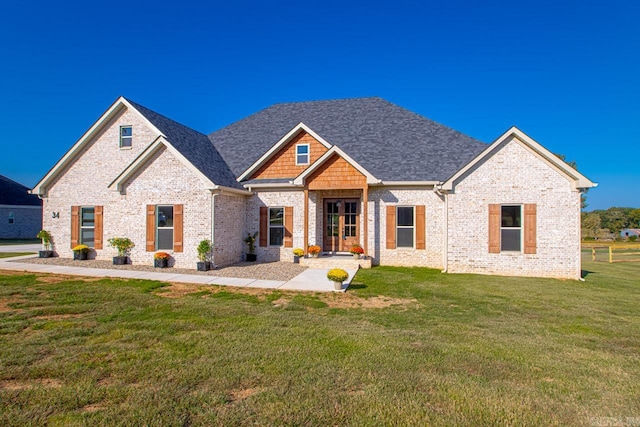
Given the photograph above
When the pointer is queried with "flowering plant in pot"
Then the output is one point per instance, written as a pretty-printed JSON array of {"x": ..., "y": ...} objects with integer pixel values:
[
  {"x": 47, "y": 244},
  {"x": 80, "y": 252},
  {"x": 204, "y": 252},
  {"x": 356, "y": 251},
  {"x": 161, "y": 259},
  {"x": 337, "y": 276},
  {"x": 123, "y": 245},
  {"x": 297, "y": 253},
  {"x": 314, "y": 250}
]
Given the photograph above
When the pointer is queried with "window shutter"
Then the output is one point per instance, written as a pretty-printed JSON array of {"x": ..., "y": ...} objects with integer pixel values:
[
  {"x": 420, "y": 227},
  {"x": 494, "y": 228},
  {"x": 530, "y": 214},
  {"x": 97, "y": 240},
  {"x": 178, "y": 221},
  {"x": 391, "y": 227},
  {"x": 75, "y": 225},
  {"x": 288, "y": 226},
  {"x": 151, "y": 228},
  {"x": 263, "y": 226}
]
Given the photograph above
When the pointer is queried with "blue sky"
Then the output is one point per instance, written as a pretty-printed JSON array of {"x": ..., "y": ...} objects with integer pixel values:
[{"x": 565, "y": 72}]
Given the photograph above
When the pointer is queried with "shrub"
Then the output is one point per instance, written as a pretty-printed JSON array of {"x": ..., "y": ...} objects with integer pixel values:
[
  {"x": 337, "y": 275},
  {"x": 250, "y": 240},
  {"x": 356, "y": 250},
  {"x": 314, "y": 249},
  {"x": 122, "y": 244},
  {"x": 80, "y": 248},
  {"x": 298, "y": 252},
  {"x": 204, "y": 249},
  {"x": 161, "y": 255},
  {"x": 633, "y": 238},
  {"x": 46, "y": 238}
]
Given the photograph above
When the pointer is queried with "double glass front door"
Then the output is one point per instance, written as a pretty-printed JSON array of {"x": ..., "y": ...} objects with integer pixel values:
[{"x": 341, "y": 224}]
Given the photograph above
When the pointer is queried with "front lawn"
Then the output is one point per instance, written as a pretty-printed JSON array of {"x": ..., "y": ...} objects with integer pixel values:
[{"x": 402, "y": 347}]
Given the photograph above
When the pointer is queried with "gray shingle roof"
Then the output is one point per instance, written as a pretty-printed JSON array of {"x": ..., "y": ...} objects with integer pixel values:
[
  {"x": 13, "y": 193},
  {"x": 194, "y": 146},
  {"x": 392, "y": 143}
]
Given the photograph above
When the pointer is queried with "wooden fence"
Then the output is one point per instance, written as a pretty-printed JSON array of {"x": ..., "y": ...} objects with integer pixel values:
[{"x": 616, "y": 253}]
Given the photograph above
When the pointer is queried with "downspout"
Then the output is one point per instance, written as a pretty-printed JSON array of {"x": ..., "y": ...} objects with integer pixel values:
[
  {"x": 445, "y": 226},
  {"x": 213, "y": 228}
]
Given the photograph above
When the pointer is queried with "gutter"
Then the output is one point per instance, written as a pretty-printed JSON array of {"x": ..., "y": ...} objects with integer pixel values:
[{"x": 445, "y": 226}]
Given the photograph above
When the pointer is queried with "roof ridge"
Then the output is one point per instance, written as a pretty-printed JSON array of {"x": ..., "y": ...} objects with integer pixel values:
[{"x": 317, "y": 101}]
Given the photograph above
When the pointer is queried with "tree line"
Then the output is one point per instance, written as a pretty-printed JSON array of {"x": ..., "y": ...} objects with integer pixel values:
[{"x": 614, "y": 219}]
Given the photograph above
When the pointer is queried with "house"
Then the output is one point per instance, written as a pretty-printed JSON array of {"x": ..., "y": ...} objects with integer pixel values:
[
  {"x": 629, "y": 232},
  {"x": 334, "y": 173},
  {"x": 20, "y": 212}
]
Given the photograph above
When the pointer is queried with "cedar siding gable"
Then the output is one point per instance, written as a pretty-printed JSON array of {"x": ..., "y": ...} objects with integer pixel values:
[
  {"x": 283, "y": 163},
  {"x": 336, "y": 173}
]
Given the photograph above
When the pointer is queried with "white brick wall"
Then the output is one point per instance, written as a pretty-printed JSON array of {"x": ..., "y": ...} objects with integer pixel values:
[{"x": 514, "y": 175}]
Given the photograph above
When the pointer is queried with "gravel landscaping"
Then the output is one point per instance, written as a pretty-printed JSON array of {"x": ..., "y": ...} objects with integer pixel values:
[{"x": 282, "y": 271}]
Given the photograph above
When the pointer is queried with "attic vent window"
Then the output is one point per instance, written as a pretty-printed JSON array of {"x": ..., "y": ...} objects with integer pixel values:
[
  {"x": 126, "y": 137},
  {"x": 302, "y": 154}
]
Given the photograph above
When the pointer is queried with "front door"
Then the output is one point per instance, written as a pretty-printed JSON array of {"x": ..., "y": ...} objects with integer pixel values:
[{"x": 341, "y": 224}]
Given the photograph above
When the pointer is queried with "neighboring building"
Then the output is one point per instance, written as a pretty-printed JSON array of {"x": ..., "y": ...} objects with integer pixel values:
[
  {"x": 332, "y": 173},
  {"x": 20, "y": 212},
  {"x": 628, "y": 232}
]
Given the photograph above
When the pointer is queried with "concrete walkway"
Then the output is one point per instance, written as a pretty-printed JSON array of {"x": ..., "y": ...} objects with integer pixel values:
[{"x": 312, "y": 279}]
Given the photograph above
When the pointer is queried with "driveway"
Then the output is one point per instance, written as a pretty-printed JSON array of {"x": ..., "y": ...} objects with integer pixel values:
[{"x": 34, "y": 247}]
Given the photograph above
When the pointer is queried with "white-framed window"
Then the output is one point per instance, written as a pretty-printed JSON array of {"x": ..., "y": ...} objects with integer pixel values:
[
  {"x": 276, "y": 226},
  {"x": 302, "y": 154},
  {"x": 405, "y": 226},
  {"x": 11, "y": 218},
  {"x": 87, "y": 225},
  {"x": 511, "y": 228},
  {"x": 126, "y": 136},
  {"x": 164, "y": 227}
]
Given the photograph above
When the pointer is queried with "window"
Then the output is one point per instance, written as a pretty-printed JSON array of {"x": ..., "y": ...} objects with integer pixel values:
[
  {"x": 405, "y": 226},
  {"x": 302, "y": 154},
  {"x": 126, "y": 137},
  {"x": 511, "y": 228},
  {"x": 11, "y": 218},
  {"x": 164, "y": 227},
  {"x": 276, "y": 226},
  {"x": 87, "y": 225}
]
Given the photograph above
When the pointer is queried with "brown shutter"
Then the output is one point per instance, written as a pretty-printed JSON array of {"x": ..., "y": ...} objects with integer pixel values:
[
  {"x": 391, "y": 227},
  {"x": 288, "y": 226},
  {"x": 178, "y": 221},
  {"x": 151, "y": 228},
  {"x": 97, "y": 240},
  {"x": 420, "y": 227},
  {"x": 75, "y": 225},
  {"x": 494, "y": 228},
  {"x": 530, "y": 228},
  {"x": 263, "y": 225}
]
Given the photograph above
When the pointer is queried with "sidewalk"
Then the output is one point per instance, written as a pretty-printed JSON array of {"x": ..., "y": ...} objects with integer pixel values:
[{"x": 312, "y": 279}]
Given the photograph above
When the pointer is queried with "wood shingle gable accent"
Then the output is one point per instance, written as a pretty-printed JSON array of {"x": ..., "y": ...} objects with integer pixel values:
[
  {"x": 283, "y": 163},
  {"x": 336, "y": 173},
  {"x": 346, "y": 163}
]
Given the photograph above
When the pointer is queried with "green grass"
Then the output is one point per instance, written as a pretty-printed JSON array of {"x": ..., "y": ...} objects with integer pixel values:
[
  {"x": 4, "y": 242},
  {"x": 12, "y": 254},
  {"x": 444, "y": 350}
]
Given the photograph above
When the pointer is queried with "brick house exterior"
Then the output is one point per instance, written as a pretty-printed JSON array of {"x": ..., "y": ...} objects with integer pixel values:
[
  {"x": 333, "y": 173},
  {"x": 20, "y": 212}
]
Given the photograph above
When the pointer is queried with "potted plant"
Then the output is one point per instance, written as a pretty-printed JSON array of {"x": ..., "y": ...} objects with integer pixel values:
[
  {"x": 161, "y": 260},
  {"x": 297, "y": 253},
  {"x": 337, "y": 276},
  {"x": 356, "y": 251},
  {"x": 80, "y": 252},
  {"x": 250, "y": 240},
  {"x": 314, "y": 250},
  {"x": 123, "y": 245},
  {"x": 204, "y": 251},
  {"x": 47, "y": 244}
]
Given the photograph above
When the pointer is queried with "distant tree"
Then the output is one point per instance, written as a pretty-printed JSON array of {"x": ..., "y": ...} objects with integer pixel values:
[
  {"x": 573, "y": 164},
  {"x": 634, "y": 218},
  {"x": 616, "y": 219},
  {"x": 592, "y": 222}
]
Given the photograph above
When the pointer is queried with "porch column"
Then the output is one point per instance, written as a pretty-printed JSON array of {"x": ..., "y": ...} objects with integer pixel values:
[
  {"x": 365, "y": 200},
  {"x": 306, "y": 219}
]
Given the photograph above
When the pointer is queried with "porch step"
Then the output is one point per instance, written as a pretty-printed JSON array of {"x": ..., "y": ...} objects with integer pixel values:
[{"x": 335, "y": 261}]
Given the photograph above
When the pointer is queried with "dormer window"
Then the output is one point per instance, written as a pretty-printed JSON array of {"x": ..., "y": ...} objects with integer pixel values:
[
  {"x": 126, "y": 137},
  {"x": 302, "y": 154}
]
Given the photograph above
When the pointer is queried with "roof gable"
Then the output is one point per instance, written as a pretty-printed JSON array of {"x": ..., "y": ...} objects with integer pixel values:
[
  {"x": 392, "y": 143},
  {"x": 14, "y": 193},
  {"x": 328, "y": 159},
  {"x": 579, "y": 180}
]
